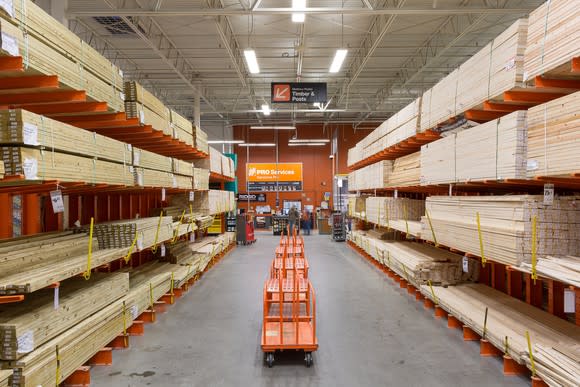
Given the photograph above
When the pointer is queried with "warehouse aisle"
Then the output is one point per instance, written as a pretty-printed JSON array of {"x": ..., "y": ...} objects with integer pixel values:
[{"x": 370, "y": 332}]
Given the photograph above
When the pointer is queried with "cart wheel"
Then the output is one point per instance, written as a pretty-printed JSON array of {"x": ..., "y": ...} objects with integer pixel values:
[
  {"x": 270, "y": 359},
  {"x": 309, "y": 359}
]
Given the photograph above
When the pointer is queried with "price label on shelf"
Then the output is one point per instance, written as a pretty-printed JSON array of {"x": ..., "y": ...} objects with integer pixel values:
[
  {"x": 548, "y": 194},
  {"x": 191, "y": 196},
  {"x": 396, "y": 193},
  {"x": 569, "y": 301},
  {"x": 465, "y": 264},
  {"x": 163, "y": 250},
  {"x": 57, "y": 201},
  {"x": 162, "y": 194}
]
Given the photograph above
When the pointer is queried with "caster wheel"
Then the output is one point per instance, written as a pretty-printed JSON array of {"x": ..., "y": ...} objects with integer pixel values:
[
  {"x": 308, "y": 359},
  {"x": 270, "y": 359}
]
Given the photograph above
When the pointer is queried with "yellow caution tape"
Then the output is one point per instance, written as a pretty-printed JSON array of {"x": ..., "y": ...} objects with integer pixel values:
[
  {"x": 176, "y": 231},
  {"x": 433, "y": 293},
  {"x": 154, "y": 248},
  {"x": 532, "y": 362},
  {"x": 128, "y": 256},
  {"x": 87, "y": 273},
  {"x": 58, "y": 366},
  {"x": 534, "y": 248},
  {"x": 483, "y": 260},
  {"x": 431, "y": 227}
]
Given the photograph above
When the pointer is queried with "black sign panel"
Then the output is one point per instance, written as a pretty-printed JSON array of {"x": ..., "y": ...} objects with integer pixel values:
[
  {"x": 252, "y": 197},
  {"x": 269, "y": 186},
  {"x": 298, "y": 92}
]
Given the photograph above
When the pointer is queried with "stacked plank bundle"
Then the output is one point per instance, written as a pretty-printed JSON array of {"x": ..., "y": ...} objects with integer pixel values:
[
  {"x": 553, "y": 137},
  {"x": 553, "y": 36},
  {"x": 200, "y": 179},
  {"x": 214, "y": 202},
  {"x": 556, "y": 342},
  {"x": 5, "y": 376},
  {"x": 496, "y": 68},
  {"x": 49, "y": 48},
  {"x": 217, "y": 163},
  {"x": 492, "y": 151},
  {"x": 182, "y": 128},
  {"x": 564, "y": 269},
  {"x": 26, "y": 326},
  {"x": 31, "y": 263},
  {"x": 228, "y": 169},
  {"x": 406, "y": 171},
  {"x": 399, "y": 127},
  {"x": 401, "y": 214},
  {"x": 505, "y": 226},
  {"x": 415, "y": 262},
  {"x": 141, "y": 104},
  {"x": 374, "y": 176}
]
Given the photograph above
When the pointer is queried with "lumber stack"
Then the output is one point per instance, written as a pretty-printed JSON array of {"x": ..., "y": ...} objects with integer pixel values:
[
  {"x": 51, "y": 49},
  {"x": 496, "y": 68},
  {"x": 33, "y": 130},
  {"x": 406, "y": 171},
  {"x": 374, "y": 176},
  {"x": 494, "y": 150},
  {"x": 228, "y": 169},
  {"x": 153, "y": 161},
  {"x": 401, "y": 214},
  {"x": 556, "y": 342},
  {"x": 351, "y": 205},
  {"x": 215, "y": 162},
  {"x": 565, "y": 269},
  {"x": 201, "y": 140},
  {"x": 183, "y": 168},
  {"x": 182, "y": 128},
  {"x": 553, "y": 137},
  {"x": 505, "y": 224},
  {"x": 26, "y": 326},
  {"x": 200, "y": 179},
  {"x": 214, "y": 202},
  {"x": 151, "y": 178},
  {"x": 2, "y": 170},
  {"x": 142, "y": 104},
  {"x": 553, "y": 36},
  {"x": 78, "y": 344},
  {"x": 5, "y": 376}
]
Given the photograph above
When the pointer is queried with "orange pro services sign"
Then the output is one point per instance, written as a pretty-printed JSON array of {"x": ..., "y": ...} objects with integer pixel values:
[{"x": 272, "y": 176}]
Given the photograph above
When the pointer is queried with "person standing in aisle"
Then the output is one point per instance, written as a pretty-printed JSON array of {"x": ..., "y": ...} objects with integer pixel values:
[
  {"x": 306, "y": 219},
  {"x": 293, "y": 217}
]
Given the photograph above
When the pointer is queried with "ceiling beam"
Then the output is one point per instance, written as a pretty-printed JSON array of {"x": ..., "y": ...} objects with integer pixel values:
[
  {"x": 301, "y": 47},
  {"x": 83, "y": 12}
]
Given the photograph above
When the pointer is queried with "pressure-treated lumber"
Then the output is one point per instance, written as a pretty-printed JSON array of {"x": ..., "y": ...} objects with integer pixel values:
[
  {"x": 27, "y": 325},
  {"x": 141, "y": 97},
  {"x": 212, "y": 202},
  {"x": 438, "y": 161},
  {"x": 505, "y": 224},
  {"x": 152, "y": 161},
  {"x": 553, "y": 138},
  {"x": 556, "y": 342},
  {"x": 122, "y": 233},
  {"x": 182, "y": 128},
  {"x": 553, "y": 36},
  {"x": 29, "y": 129},
  {"x": 39, "y": 165},
  {"x": 213, "y": 163},
  {"x": 383, "y": 210},
  {"x": 152, "y": 178}
]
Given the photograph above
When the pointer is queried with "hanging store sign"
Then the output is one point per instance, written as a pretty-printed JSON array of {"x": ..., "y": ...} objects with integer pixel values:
[
  {"x": 298, "y": 92},
  {"x": 244, "y": 197},
  {"x": 272, "y": 177}
]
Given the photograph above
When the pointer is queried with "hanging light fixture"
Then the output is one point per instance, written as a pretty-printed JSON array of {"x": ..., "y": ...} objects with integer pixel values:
[{"x": 299, "y": 5}]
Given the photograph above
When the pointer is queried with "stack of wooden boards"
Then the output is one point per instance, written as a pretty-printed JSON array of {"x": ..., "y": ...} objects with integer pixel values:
[
  {"x": 214, "y": 202},
  {"x": 35, "y": 262},
  {"x": 553, "y": 35},
  {"x": 217, "y": 163},
  {"x": 401, "y": 214},
  {"x": 565, "y": 269},
  {"x": 506, "y": 225},
  {"x": 39, "y": 148},
  {"x": 555, "y": 342},
  {"x": 492, "y": 151},
  {"x": 402, "y": 172},
  {"x": 553, "y": 137},
  {"x": 5, "y": 376},
  {"x": 49, "y": 48},
  {"x": 417, "y": 263}
]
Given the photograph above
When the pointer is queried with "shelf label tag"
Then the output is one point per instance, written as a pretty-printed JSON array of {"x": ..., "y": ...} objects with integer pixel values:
[
  {"x": 9, "y": 44},
  {"x": 163, "y": 250},
  {"x": 8, "y": 6},
  {"x": 569, "y": 301},
  {"x": 25, "y": 342},
  {"x": 191, "y": 196},
  {"x": 56, "y": 297},
  {"x": 548, "y": 194},
  {"x": 465, "y": 262},
  {"x": 162, "y": 194},
  {"x": 57, "y": 201},
  {"x": 396, "y": 194},
  {"x": 30, "y": 167}
]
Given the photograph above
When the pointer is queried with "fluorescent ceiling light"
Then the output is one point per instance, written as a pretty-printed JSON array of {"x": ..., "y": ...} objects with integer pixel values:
[
  {"x": 266, "y": 109},
  {"x": 252, "y": 61},
  {"x": 307, "y": 144},
  {"x": 260, "y": 144},
  {"x": 337, "y": 61},
  {"x": 225, "y": 142},
  {"x": 277, "y": 127},
  {"x": 298, "y": 5},
  {"x": 298, "y": 140}
]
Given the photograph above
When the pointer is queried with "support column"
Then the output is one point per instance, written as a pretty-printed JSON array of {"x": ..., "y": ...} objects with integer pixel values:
[
  {"x": 5, "y": 216},
  {"x": 197, "y": 106},
  {"x": 31, "y": 214}
]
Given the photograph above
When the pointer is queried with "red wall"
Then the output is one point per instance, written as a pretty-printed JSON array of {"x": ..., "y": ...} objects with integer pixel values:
[{"x": 317, "y": 167}]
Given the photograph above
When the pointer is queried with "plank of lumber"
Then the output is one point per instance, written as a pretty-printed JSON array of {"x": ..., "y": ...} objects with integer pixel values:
[
  {"x": 565, "y": 269},
  {"x": 553, "y": 36},
  {"x": 556, "y": 341},
  {"x": 406, "y": 171},
  {"x": 374, "y": 176},
  {"x": 27, "y": 325},
  {"x": 200, "y": 179},
  {"x": 213, "y": 163},
  {"x": 152, "y": 161},
  {"x": 5, "y": 376}
]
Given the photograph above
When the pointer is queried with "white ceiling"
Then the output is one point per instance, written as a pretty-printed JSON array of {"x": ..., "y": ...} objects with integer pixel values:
[{"x": 395, "y": 53}]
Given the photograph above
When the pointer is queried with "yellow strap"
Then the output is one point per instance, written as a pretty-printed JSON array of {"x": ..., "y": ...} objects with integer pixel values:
[
  {"x": 87, "y": 273},
  {"x": 433, "y": 293},
  {"x": 534, "y": 248},
  {"x": 483, "y": 260},
  {"x": 176, "y": 231},
  {"x": 405, "y": 271},
  {"x": 431, "y": 226},
  {"x": 57, "y": 366},
  {"x": 154, "y": 248},
  {"x": 131, "y": 248},
  {"x": 533, "y": 364}
]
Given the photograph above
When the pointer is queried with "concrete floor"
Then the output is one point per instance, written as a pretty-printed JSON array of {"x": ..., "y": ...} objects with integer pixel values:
[{"x": 370, "y": 332}]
